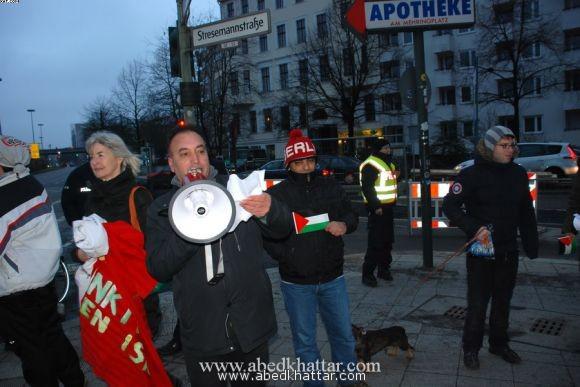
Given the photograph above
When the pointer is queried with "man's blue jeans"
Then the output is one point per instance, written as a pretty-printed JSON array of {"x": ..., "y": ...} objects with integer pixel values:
[{"x": 331, "y": 299}]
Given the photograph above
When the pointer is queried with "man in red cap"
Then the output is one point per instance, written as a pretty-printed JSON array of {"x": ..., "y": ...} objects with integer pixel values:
[{"x": 311, "y": 259}]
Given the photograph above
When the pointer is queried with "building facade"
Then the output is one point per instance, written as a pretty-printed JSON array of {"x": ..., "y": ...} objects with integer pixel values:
[{"x": 470, "y": 87}]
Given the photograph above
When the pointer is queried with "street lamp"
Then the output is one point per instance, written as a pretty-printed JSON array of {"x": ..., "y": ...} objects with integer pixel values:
[
  {"x": 41, "y": 142},
  {"x": 32, "y": 123}
]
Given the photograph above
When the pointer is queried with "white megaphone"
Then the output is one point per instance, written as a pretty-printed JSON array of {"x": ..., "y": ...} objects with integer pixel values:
[{"x": 201, "y": 211}]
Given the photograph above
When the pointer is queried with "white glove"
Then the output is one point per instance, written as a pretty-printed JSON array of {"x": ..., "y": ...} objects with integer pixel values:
[
  {"x": 576, "y": 222},
  {"x": 90, "y": 236},
  {"x": 254, "y": 184}
]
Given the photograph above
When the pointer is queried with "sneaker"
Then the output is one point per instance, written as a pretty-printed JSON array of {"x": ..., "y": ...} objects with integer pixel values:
[
  {"x": 369, "y": 280},
  {"x": 171, "y": 348},
  {"x": 506, "y": 353},
  {"x": 385, "y": 275},
  {"x": 471, "y": 360}
]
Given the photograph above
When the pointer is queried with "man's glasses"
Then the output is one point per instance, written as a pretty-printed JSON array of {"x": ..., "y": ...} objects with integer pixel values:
[{"x": 513, "y": 145}]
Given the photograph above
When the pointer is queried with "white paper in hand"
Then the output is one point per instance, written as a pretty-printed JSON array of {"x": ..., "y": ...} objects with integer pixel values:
[
  {"x": 577, "y": 222},
  {"x": 240, "y": 189},
  {"x": 90, "y": 236}
]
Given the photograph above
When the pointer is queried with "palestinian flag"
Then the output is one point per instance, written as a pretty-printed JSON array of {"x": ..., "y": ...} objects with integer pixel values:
[
  {"x": 566, "y": 245},
  {"x": 302, "y": 224}
]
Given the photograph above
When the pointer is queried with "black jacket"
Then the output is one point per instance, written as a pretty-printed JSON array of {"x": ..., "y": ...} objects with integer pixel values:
[
  {"x": 573, "y": 206},
  {"x": 76, "y": 192},
  {"x": 110, "y": 199},
  {"x": 318, "y": 256},
  {"x": 242, "y": 298},
  {"x": 368, "y": 176},
  {"x": 495, "y": 195}
]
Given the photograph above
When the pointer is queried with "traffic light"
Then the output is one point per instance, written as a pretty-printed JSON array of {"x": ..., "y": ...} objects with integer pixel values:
[{"x": 174, "y": 52}]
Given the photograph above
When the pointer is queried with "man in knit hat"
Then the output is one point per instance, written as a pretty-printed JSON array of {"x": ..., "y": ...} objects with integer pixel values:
[
  {"x": 490, "y": 201},
  {"x": 311, "y": 258},
  {"x": 30, "y": 248},
  {"x": 379, "y": 188}
]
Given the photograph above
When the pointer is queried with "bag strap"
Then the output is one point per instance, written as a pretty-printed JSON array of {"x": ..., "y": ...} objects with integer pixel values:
[{"x": 133, "y": 208}]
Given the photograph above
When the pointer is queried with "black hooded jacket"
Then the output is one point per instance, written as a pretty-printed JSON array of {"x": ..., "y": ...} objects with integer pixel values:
[
  {"x": 497, "y": 196},
  {"x": 318, "y": 256}
]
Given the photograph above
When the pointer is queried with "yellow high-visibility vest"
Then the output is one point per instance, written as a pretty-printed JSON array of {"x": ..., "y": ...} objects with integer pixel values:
[{"x": 386, "y": 182}]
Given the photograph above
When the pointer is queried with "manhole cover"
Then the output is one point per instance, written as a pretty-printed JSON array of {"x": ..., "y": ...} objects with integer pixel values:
[
  {"x": 548, "y": 327},
  {"x": 457, "y": 312}
]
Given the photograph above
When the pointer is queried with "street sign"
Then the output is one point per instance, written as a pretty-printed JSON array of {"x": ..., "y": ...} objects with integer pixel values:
[
  {"x": 34, "y": 151},
  {"x": 231, "y": 29},
  {"x": 408, "y": 88},
  {"x": 404, "y": 15}
]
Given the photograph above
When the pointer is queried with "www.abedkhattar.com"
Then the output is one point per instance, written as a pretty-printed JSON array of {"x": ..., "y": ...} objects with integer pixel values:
[{"x": 289, "y": 369}]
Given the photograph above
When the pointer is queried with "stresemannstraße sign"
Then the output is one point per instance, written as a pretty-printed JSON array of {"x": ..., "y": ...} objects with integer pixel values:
[{"x": 231, "y": 29}]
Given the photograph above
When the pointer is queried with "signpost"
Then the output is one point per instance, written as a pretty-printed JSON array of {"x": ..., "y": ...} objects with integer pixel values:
[
  {"x": 228, "y": 30},
  {"x": 417, "y": 16}
]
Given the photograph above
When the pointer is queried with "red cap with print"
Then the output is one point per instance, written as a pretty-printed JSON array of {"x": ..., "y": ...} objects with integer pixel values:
[{"x": 298, "y": 147}]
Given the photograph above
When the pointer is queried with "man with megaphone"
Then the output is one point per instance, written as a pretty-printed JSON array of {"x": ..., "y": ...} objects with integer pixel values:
[{"x": 230, "y": 318}]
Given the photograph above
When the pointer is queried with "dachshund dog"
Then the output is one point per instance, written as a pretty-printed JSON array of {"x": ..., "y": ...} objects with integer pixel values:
[{"x": 371, "y": 342}]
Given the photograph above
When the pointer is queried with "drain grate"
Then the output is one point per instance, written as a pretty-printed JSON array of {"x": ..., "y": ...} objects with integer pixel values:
[
  {"x": 457, "y": 312},
  {"x": 548, "y": 327}
]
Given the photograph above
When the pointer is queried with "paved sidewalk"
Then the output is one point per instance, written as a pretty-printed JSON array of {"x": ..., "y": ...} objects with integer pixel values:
[{"x": 546, "y": 289}]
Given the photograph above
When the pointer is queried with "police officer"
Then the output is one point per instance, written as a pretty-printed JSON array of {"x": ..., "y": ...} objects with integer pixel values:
[
  {"x": 379, "y": 188},
  {"x": 491, "y": 201}
]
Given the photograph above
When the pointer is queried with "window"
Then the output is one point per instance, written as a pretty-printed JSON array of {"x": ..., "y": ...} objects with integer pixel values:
[
  {"x": 504, "y": 50},
  {"x": 261, "y": 5},
  {"x": 279, "y": 4},
  {"x": 572, "y": 119},
  {"x": 303, "y": 71},
  {"x": 324, "y": 68},
  {"x": 245, "y": 49},
  {"x": 268, "y": 120},
  {"x": 303, "y": 114},
  {"x": 447, "y": 95},
  {"x": 532, "y": 124},
  {"x": 534, "y": 50},
  {"x": 465, "y": 30},
  {"x": 247, "y": 82},
  {"x": 235, "y": 124},
  {"x": 531, "y": 9},
  {"x": 253, "y": 122},
  {"x": 468, "y": 129},
  {"x": 234, "y": 82},
  {"x": 321, "y": 26},
  {"x": 505, "y": 88},
  {"x": 507, "y": 121},
  {"x": 448, "y": 129},
  {"x": 388, "y": 39},
  {"x": 285, "y": 118},
  {"x": 531, "y": 150},
  {"x": 370, "y": 107},
  {"x": 348, "y": 61},
  {"x": 532, "y": 86},
  {"x": 504, "y": 12},
  {"x": 245, "y": 8},
  {"x": 281, "y": 35},
  {"x": 445, "y": 60},
  {"x": 283, "y": 76},
  {"x": 571, "y": 4},
  {"x": 390, "y": 69},
  {"x": 300, "y": 31},
  {"x": 572, "y": 80},
  {"x": 407, "y": 37},
  {"x": 443, "y": 32},
  {"x": 392, "y": 102},
  {"x": 466, "y": 94},
  {"x": 230, "y": 9},
  {"x": 394, "y": 134},
  {"x": 263, "y": 43},
  {"x": 572, "y": 39},
  {"x": 265, "y": 79},
  {"x": 467, "y": 58}
]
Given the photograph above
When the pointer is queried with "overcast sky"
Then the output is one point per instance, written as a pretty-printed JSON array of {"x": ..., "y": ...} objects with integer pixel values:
[{"x": 58, "y": 56}]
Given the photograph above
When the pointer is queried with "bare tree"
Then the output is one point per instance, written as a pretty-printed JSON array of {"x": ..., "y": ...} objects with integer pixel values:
[
  {"x": 520, "y": 51},
  {"x": 99, "y": 115},
  {"x": 162, "y": 88}
]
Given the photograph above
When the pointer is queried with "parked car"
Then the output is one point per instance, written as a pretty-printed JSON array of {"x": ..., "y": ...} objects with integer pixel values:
[
  {"x": 343, "y": 168},
  {"x": 160, "y": 177},
  {"x": 558, "y": 158}
]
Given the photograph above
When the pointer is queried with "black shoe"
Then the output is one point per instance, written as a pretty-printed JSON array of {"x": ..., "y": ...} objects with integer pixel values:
[
  {"x": 507, "y": 354},
  {"x": 171, "y": 348},
  {"x": 369, "y": 280},
  {"x": 385, "y": 275},
  {"x": 471, "y": 360}
]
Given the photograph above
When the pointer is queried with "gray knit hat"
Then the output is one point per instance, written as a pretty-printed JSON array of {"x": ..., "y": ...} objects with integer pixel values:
[
  {"x": 14, "y": 153},
  {"x": 493, "y": 135}
]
